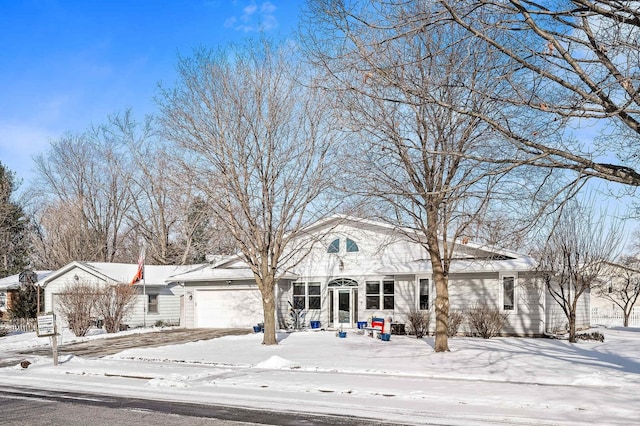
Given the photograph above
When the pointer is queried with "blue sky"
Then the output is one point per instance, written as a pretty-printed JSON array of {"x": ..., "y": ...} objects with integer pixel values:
[{"x": 67, "y": 64}]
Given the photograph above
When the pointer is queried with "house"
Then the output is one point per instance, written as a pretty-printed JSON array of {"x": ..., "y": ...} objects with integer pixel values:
[
  {"x": 355, "y": 269},
  {"x": 618, "y": 284},
  {"x": 159, "y": 296},
  {"x": 10, "y": 285}
]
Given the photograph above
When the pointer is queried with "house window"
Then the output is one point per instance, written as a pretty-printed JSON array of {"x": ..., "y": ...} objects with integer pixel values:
[
  {"x": 299, "y": 295},
  {"x": 508, "y": 293},
  {"x": 334, "y": 247},
  {"x": 314, "y": 296},
  {"x": 3, "y": 300},
  {"x": 373, "y": 294},
  {"x": 424, "y": 294},
  {"x": 306, "y": 296},
  {"x": 379, "y": 295},
  {"x": 152, "y": 307},
  {"x": 352, "y": 247},
  {"x": 387, "y": 298}
]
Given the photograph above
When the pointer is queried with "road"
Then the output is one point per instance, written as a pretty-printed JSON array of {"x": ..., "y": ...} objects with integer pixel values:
[{"x": 25, "y": 406}]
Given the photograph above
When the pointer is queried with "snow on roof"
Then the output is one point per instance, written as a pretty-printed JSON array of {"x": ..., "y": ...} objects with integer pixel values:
[
  {"x": 124, "y": 272},
  {"x": 524, "y": 263},
  {"x": 12, "y": 282},
  {"x": 212, "y": 273}
]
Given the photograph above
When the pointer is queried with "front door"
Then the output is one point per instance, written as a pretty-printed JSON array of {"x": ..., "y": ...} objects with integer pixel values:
[
  {"x": 344, "y": 308},
  {"x": 343, "y": 303}
]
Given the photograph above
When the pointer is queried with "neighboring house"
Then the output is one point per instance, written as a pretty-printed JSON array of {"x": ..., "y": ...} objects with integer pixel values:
[
  {"x": 356, "y": 269},
  {"x": 158, "y": 294},
  {"x": 620, "y": 283},
  {"x": 9, "y": 287}
]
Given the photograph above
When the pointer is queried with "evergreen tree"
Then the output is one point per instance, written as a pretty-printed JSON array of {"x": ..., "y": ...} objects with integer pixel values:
[
  {"x": 25, "y": 303},
  {"x": 14, "y": 228}
]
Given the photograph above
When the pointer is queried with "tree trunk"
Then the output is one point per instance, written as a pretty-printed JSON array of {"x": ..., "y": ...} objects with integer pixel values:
[
  {"x": 269, "y": 309},
  {"x": 572, "y": 326},
  {"x": 442, "y": 285},
  {"x": 626, "y": 318},
  {"x": 442, "y": 311}
]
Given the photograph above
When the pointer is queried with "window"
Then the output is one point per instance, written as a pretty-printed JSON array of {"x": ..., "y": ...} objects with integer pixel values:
[
  {"x": 374, "y": 296},
  {"x": 306, "y": 297},
  {"x": 314, "y": 296},
  {"x": 299, "y": 295},
  {"x": 352, "y": 247},
  {"x": 508, "y": 293},
  {"x": 153, "y": 304},
  {"x": 387, "y": 297},
  {"x": 424, "y": 294},
  {"x": 3, "y": 300}
]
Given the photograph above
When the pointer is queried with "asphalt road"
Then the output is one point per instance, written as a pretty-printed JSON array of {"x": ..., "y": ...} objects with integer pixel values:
[{"x": 25, "y": 406}]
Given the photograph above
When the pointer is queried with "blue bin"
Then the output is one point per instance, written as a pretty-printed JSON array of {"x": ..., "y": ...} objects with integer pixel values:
[
  {"x": 362, "y": 324},
  {"x": 257, "y": 329},
  {"x": 342, "y": 334},
  {"x": 315, "y": 324},
  {"x": 385, "y": 337}
]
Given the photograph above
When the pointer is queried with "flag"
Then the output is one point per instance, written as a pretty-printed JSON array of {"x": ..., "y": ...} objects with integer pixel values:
[{"x": 139, "y": 276}]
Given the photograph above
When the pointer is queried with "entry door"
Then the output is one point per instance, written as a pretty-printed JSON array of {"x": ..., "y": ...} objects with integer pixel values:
[{"x": 344, "y": 307}]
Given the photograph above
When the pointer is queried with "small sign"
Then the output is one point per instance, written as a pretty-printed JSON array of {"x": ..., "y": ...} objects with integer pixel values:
[{"x": 46, "y": 325}]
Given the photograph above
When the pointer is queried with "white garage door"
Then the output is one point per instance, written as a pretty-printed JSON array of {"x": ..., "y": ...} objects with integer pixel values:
[{"x": 228, "y": 308}]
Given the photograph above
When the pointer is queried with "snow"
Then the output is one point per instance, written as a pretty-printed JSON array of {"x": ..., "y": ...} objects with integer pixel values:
[{"x": 501, "y": 380}]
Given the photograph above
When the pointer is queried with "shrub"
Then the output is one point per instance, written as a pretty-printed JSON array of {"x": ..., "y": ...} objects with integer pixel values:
[
  {"x": 4, "y": 331},
  {"x": 486, "y": 320},
  {"x": 115, "y": 304},
  {"x": 159, "y": 323},
  {"x": 455, "y": 319},
  {"x": 596, "y": 335},
  {"x": 419, "y": 322},
  {"x": 76, "y": 304}
]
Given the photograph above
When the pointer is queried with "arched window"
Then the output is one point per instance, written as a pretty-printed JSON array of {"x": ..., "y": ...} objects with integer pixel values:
[
  {"x": 343, "y": 282},
  {"x": 334, "y": 247},
  {"x": 352, "y": 247}
]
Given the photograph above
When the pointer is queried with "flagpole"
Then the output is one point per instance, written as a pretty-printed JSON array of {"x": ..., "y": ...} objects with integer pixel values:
[{"x": 144, "y": 286}]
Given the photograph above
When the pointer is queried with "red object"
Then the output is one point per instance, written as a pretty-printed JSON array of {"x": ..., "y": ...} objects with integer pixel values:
[
  {"x": 378, "y": 323},
  {"x": 139, "y": 276}
]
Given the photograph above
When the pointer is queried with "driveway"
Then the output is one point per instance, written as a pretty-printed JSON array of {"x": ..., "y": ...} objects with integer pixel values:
[{"x": 97, "y": 348}]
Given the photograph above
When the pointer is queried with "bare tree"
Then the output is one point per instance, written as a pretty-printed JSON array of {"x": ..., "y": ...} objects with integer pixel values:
[
  {"x": 573, "y": 256},
  {"x": 76, "y": 304},
  {"x": 258, "y": 145},
  {"x": 573, "y": 65},
  {"x": 89, "y": 174},
  {"x": 621, "y": 285},
  {"x": 427, "y": 162},
  {"x": 114, "y": 303}
]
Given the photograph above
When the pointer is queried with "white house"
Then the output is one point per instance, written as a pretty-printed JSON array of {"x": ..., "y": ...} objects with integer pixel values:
[
  {"x": 617, "y": 284},
  {"x": 159, "y": 296},
  {"x": 356, "y": 269}
]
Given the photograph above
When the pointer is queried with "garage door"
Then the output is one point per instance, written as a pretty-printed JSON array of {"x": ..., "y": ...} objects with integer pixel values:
[{"x": 228, "y": 308}]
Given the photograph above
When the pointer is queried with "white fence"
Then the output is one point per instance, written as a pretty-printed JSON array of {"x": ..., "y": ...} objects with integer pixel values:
[{"x": 614, "y": 318}]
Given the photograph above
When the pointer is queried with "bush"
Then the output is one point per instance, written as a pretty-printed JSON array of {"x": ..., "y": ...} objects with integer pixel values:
[
  {"x": 76, "y": 304},
  {"x": 419, "y": 322},
  {"x": 486, "y": 320},
  {"x": 3, "y": 331},
  {"x": 455, "y": 319},
  {"x": 596, "y": 335}
]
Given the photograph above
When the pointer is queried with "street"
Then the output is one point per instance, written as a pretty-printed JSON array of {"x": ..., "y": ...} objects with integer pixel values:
[{"x": 25, "y": 406}]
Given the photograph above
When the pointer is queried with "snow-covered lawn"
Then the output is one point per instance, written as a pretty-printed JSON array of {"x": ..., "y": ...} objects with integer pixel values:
[{"x": 503, "y": 380}]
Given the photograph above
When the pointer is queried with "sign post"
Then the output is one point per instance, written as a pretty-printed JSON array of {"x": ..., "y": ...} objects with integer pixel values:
[{"x": 47, "y": 327}]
